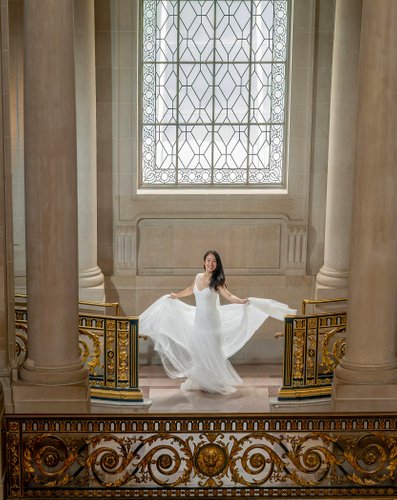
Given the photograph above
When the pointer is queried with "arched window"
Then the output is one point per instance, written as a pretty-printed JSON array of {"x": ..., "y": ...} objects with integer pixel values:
[{"x": 214, "y": 93}]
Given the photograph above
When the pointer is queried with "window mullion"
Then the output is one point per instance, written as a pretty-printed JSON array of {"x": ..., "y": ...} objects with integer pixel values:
[
  {"x": 213, "y": 95},
  {"x": 249, "y": 116},
  {"x": 178, "y": 86}
]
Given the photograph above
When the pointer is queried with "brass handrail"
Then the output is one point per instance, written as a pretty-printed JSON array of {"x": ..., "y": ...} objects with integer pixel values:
[
  {"x": 116, "y": 305},
  {"x": 312, "y": 301},
  {"x": 320, "y": 301},
  {"x": 94, "y": 303}
]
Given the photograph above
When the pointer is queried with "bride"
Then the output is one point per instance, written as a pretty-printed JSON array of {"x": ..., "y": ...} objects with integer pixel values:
[{"x": 195, "y": 342}]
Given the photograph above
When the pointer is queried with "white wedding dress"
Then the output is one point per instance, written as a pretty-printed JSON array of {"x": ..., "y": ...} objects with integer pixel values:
[{"x": 196, "y": 341}]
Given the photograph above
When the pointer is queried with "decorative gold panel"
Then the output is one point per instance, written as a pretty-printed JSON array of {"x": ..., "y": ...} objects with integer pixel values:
[
  {"x": 109, "y": 349},
  {"x": 313, "y": 346},
  {"x": 180, "y": 456}
]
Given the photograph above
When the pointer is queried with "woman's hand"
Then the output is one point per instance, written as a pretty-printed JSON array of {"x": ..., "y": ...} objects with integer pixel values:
[{"x": 173, "y": 295}]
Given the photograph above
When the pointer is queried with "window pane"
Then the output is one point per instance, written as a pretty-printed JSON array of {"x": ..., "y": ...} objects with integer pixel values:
[
  {"x": 231, "y": 94},
  {"x": 214, "y": 85},
  {"x": 196, "y": 93},
  {"x": 196, "y": 31},
  {"x": 194, "y": 165},
  {"x": 233, "y": 30},
  {"x": 230, "y": 154}
]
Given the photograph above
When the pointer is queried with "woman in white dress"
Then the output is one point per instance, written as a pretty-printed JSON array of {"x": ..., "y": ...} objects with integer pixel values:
[{"x": 196, "y": 342}]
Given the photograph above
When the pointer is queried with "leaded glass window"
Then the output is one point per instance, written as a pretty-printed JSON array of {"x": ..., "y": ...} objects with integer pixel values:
[{"x": 214, "y": 83}]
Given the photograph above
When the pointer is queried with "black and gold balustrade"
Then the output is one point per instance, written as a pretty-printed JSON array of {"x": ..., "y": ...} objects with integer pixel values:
[
  {"x": 109, "y": 349},
  {"x": 313, "y": 346},
  {"x": 204, "y": 455}
]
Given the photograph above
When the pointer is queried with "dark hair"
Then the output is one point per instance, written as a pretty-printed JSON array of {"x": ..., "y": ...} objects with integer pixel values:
[{"x": 218, "y": 276}]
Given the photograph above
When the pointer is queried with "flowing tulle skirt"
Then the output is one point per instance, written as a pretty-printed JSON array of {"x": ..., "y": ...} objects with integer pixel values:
[{"x": 197, "y": 346}]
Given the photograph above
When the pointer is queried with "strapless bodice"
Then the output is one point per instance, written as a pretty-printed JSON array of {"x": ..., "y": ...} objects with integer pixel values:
[
  {"x": 207, "y": 302},
  {"x": 205, "y": 297}
]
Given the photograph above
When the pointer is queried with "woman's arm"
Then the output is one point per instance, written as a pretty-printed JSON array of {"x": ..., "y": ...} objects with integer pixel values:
[
  {"x": 184, "y": 293},
  {"x": 230, "y": 297}
]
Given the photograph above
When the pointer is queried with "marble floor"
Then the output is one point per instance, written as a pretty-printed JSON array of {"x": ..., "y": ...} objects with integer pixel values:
[{"x": 258, "y": 394}]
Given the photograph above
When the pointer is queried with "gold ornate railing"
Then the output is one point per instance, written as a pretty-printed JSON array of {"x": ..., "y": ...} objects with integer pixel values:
[
  {"x": 313, "y": 347},
  {"x": 109, "y": 348},
  {"x": 201, "y": 456}
]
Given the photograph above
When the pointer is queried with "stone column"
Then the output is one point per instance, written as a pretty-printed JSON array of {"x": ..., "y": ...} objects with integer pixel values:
[
  {"x": 7, "y": 312},
  {"x": 332, "y": 279},
  {"x": 51, "y": 214},
  {"x": 366, "y": 378},
  {"x": 91, "y": 281}
]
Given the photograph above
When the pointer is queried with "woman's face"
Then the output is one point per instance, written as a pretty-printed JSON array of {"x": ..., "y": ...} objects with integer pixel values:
[{"x": 210, "y": 263}]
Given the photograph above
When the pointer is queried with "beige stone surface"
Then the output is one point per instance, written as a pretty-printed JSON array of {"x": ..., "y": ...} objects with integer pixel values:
[
  {"x": 91, "y": 279},
  {"x": 250, "y": 246},
  {"x": 368, "y": 372},
  {"x": 53, "y": 363},
  {"x": 29, "y": 398},
  {"x": 333, "y": 276}
]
